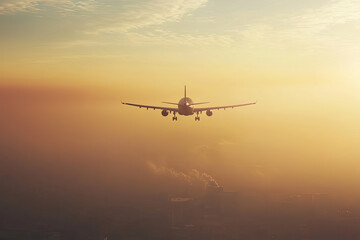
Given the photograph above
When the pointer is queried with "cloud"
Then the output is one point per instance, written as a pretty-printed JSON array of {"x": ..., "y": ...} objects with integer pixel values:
[
  {"x": 154, "y": 12},
  {"x": 165, "y": 37},
  {"x": 15, "y": 6},
  {"x": 134, "y": 20},
  {"x": 8, "y": 6},
  {"x": 336, "y": 12},
  {"x": 306, "y": 31},
  {"x": 141, "y": 23},
  {"x": 191, "y": 177},
  {"x": 117, "y": 16}
]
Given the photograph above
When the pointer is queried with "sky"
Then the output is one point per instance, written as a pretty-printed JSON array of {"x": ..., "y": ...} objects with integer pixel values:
[{"x": 66, "y": 65}]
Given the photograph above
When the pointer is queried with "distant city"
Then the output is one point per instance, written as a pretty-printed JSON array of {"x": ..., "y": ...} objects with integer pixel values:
[{"x": 212, "y": 214}]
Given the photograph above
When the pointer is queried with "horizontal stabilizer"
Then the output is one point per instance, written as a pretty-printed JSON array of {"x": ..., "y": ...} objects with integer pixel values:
[
  {"x": 170, "y": 103},
  {"x": 199, "y": 103}
]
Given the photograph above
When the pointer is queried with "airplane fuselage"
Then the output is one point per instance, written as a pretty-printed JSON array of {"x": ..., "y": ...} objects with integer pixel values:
[{"x": 185, "y": 106}]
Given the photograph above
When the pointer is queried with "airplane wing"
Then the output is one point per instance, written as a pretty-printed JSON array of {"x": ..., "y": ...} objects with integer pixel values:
[
  {"x": 221, "y": 107},
  {"x": 151, "y": 107}
]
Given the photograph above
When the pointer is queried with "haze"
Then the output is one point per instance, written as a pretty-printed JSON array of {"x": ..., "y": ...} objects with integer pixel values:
[{"x": 65, "y": 66}]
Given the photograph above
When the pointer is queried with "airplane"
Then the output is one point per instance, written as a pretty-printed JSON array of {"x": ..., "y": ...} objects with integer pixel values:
[{"x": 186, "y": 107}]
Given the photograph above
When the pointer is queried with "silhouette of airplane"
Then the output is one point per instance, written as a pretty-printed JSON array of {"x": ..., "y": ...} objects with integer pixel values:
[{"x": 186, "y": 107}]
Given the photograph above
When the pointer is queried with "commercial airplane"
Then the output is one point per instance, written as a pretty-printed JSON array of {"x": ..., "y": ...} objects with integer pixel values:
[{"x": 186, "y": 107}]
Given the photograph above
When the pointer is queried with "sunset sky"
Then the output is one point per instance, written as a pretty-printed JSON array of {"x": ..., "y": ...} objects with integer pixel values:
[{"x": 65, "y": 66}]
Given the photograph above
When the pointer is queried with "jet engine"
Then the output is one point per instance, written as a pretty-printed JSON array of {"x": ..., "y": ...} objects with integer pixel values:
[
  {"x": 164, "y": 113},
  {"x": 209, "y": 113}
]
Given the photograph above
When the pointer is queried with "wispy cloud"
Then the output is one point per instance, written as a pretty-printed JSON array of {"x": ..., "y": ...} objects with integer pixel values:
[
  {"x": 15, "y": 6},
  {"x": 333, "y": 13},
  {"x": 308, "y": 30},
  {"x": 135, "y": 15},
  {"x": 141, "y": 23},
  {"x": 165, "y": 37},
  {"x": 8, "y": 6},
  {"x": 137, "y": 22}
]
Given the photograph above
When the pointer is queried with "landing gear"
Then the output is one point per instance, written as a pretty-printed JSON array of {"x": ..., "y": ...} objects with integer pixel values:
[
  {"x": 197, "y": 118},
  {"x": 174, "y": 117}
]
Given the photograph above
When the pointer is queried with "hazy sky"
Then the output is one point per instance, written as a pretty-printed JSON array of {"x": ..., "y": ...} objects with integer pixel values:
[
  {"x": 290, "y": 42},
  {"x": 65, "y": 65}
]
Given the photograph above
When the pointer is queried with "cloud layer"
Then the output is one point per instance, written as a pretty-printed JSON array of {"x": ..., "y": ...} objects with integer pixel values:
[
  {"x": 138, "y": 15},
  {"x": 15, "y": 6}
]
